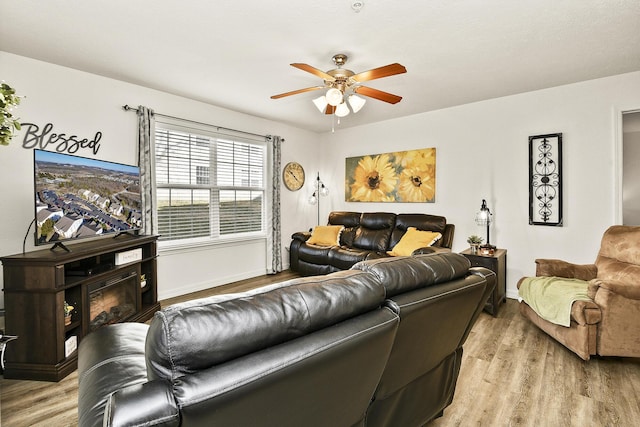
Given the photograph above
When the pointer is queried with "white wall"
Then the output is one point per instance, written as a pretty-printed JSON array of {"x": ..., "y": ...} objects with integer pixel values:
[
  {"x": 482, "y": 152},
  {"x": 82, "y": 104}
]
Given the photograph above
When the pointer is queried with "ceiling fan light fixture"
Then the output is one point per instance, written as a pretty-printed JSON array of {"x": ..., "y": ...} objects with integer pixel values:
[
  {"x": 342, "y": 110},
  {"x": 321, "y": 103},
  {"x": 341, "y": 85},
  {"x": 334, "y": 97},
  {"x": 356, "y": 102}
]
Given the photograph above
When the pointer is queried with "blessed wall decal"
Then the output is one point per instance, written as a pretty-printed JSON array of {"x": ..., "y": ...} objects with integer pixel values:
[{"x": 34, "y": 137}]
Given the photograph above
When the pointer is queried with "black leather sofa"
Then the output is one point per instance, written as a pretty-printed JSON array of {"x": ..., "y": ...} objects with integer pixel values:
[
  {"x": 377, "y": 345},
  {"x": 365, "y": 236}
]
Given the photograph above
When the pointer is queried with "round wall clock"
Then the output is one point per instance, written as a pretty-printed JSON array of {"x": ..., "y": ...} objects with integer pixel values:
[{"x": 293, "y": 176}]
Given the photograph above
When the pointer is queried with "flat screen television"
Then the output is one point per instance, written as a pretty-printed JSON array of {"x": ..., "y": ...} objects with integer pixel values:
[{"x": 78, "y": 197}]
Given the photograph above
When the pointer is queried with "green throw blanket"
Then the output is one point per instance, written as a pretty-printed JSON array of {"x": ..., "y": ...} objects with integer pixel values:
[{"x": 552, "y": 297}]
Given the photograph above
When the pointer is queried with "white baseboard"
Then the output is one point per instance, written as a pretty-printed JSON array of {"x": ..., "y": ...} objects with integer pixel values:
[{"x": 513, "y": 294}]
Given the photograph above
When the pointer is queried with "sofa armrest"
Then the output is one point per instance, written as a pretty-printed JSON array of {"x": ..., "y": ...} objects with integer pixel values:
[
  {"x": 559, "y": 268},
  {"x": 430, "y": 250},
  {"x": 447, "y": 237},
  {"x": 625, "y": 289},
  {"x": 586, "y": 312},
  {"x": 302, "y": 236},
  {"x": 109, "y": 359},
  {"x": 149, "y": 404},
  {"x": 491, "y": 278}
]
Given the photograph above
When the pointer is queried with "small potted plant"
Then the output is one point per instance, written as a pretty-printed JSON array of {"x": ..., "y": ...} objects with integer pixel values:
[
  {"x": 67, "y": 313},
  {"x": 474, "y": 241}
]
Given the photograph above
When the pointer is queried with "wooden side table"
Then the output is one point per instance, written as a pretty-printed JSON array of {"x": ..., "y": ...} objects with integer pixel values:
[{"x": 498, "y": 264}]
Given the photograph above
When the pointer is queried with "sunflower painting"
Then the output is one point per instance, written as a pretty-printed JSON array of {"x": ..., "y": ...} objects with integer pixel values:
[{"x": 404, "y": 176}]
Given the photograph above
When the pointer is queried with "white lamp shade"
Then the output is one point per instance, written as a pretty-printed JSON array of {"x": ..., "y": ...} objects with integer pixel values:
[
  {"x": 313, "y": 199},
  {"x": 321, "y": 103},
  {"x": 324, "y": 191},
  {"x": 356, "y": 102},
  {"x": 482, "y": 218},
  {"x": 342, "y": 110},
  {"x": 334, "y": 96}
]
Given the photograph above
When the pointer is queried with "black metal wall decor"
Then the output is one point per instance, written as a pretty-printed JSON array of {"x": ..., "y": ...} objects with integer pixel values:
[{"x": 545, "y": 179}]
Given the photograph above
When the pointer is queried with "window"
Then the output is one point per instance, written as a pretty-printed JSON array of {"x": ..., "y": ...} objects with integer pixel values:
[
  {"x": 202, "y": 174},
  {"x": 209, "y": 185}
]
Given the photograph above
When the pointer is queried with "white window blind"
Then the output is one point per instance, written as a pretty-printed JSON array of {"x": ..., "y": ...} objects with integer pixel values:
[{"x": 209, "y": 185}]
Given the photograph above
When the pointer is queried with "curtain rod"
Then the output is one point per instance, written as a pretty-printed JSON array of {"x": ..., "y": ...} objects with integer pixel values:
[{"x": 127, "y": 108}]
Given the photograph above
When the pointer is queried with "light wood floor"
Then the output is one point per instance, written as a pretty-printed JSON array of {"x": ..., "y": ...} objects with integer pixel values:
[{"x": 512, "y": 375}]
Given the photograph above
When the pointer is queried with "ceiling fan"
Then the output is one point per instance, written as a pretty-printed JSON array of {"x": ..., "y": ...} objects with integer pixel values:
[{"x": 343, "y": 85}]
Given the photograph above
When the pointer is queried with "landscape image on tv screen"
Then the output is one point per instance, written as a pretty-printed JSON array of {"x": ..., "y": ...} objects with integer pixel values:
[{"x": 78, "y": 197}]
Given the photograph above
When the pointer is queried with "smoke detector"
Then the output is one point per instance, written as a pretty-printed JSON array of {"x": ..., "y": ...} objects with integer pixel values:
[{"x": 357, "y": 5}]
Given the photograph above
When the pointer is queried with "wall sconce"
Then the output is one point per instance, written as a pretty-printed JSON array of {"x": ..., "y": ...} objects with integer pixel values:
[
  {"x": 484, "y": 217},
  {"x": 320, "y": 190}
]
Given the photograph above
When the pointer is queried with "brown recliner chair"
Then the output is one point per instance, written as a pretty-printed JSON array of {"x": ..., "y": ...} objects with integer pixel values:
[{"x": 609, "y": 325}]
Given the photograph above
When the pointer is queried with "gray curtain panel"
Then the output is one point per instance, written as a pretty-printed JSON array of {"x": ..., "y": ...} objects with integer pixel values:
[
  {"x": 274, "y": 236},
  {"x": 147, "y": 171}
]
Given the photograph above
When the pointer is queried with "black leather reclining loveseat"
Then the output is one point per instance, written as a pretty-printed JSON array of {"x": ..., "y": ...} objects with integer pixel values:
[
  {"x": 365, "y": 236},
  {"x": 378, "y": 345}
]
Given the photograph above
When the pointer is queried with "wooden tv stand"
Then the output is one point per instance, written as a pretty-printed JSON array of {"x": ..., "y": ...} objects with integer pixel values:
[{"x": 101, "y": 279}]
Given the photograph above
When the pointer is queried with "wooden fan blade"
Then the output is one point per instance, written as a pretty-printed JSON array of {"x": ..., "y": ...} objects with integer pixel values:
[
  {"x": 377, "y": 73},
  {"x": 330, "y": 109},
  {"x": 295, "y": 92},
  {"x": 377, "y": 94},
  {"x": 313, "y": 70}
]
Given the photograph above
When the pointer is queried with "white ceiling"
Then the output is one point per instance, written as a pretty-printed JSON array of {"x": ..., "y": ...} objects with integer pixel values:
[{"x": 236, "y": 54}]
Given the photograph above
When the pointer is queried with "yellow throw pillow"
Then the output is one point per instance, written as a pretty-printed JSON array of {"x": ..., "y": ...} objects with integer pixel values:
[
  {"x": 326, "y": 235},
  {"x": 414, "y": 239}
]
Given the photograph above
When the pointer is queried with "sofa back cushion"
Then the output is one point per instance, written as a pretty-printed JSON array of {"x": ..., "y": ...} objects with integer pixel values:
[
  {"x": 350, "y": 221},
  {"x": 195, "y": 335},
  {"x": 619, "y": 256},
  {"x": 374, "y": 231},
  {"x": 423, "y": 222},
  {"x": 402, "y": 274}
]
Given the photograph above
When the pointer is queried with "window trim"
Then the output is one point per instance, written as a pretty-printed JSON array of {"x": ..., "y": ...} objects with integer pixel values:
[{"x": 197, "y": 243}]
